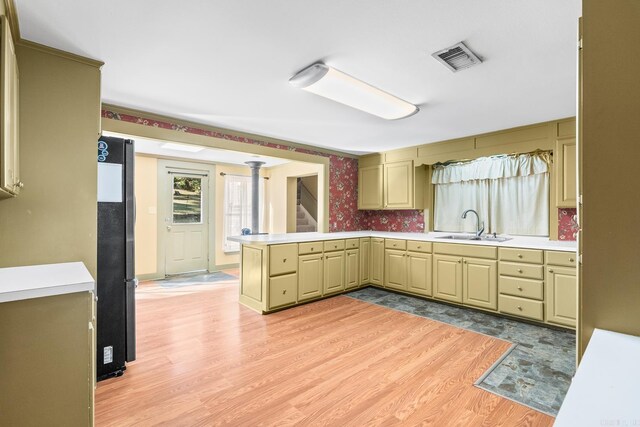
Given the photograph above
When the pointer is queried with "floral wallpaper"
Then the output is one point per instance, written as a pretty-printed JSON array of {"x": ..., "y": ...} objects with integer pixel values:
[
  {"x": 567, "y": 224},
  {"x": 343, "y": 187},
  {"x": 343, "y": 182}
]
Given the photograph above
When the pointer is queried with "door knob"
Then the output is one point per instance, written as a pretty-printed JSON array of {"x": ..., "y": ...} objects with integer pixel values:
[{"x": 168, "y": 228}]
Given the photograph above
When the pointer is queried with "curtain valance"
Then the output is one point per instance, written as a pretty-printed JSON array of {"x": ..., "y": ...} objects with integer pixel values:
[{"x": 492, "y": 168}]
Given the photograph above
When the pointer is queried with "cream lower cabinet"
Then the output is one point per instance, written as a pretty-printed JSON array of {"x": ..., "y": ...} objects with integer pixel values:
[
  {"x": 447, "y": 277},
  {"x": 562, "y": 295},
  {"x": 480, "y": 283},
  {"x": 334, "y": 263},
  {"x": 310, "y": 276},
  {"x": 377, "y": 261},
  {"x": 365, "y": 264},
  {"x": 395, "y": 269},
  {"x": 419, "y": 274},
  {"x": 352, "y": 268}
]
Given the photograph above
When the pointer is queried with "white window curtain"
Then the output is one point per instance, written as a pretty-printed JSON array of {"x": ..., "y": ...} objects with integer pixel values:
[
  {"x": 510, "y": 194},
  {"x": 237, "y": 208}
]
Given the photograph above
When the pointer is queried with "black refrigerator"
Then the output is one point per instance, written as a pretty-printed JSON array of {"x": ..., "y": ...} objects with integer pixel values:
[{"x": 116, "y": 282}]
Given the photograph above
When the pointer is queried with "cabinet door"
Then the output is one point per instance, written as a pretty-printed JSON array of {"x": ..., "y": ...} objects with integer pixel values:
[
  {"x": 419, "y": 273},
  {"x": 398, "y": 185},
  {"x": 333, "y": 272},
  {"x": 562, "y": 295},
  {"x": 447, "y": 277},
  {"x": 395, "y": 269},
  {"x": 377, "y": 261},
  {"x": 480, "y": 283},
  {"x": 352, "y": 267},
  {"x": 566, "y": 177},
  {"x": 9, "y": 163},
  {"x": 365, "y": 265},
  {"x": 310, "y": 272},
  {"x": 370, "y": 187}
]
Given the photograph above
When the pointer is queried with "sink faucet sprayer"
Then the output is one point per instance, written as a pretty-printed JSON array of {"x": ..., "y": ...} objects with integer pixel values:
[{"x": 479, "y": 230}]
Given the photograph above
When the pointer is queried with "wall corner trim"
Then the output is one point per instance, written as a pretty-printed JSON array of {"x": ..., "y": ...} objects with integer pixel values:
[{"x": 60, "y": 53}]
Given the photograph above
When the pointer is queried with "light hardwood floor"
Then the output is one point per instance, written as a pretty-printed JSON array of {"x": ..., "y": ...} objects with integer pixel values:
[{"x": 205, "y": 360}]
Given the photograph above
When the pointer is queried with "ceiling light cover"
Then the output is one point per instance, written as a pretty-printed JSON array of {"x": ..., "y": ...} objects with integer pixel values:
[
  {"x": 340, "y": 87},
  {"x": 182, "y": 147}
]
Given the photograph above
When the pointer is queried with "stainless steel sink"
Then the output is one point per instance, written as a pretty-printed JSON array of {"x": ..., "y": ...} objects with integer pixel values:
[
  {"x": 452, "y": 237},
  {"x": 487, "y": 238}
]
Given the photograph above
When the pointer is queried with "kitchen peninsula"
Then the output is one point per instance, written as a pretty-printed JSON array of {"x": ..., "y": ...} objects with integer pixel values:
[{"x": 531, "y": 278}]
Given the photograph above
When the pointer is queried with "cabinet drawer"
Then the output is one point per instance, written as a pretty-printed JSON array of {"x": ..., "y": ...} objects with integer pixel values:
[
  {"x": 521, "y": 307},
  {"x": 283, "y": 259},
  {"x": 465, "y": 250},
  {"x": 395, "y": 244},
  {"x": 416, "y": 246},
  {"x": 353, "y": 243},
  {"x": 532, "y": 256},
  {"x": 521, "y": 270},
  {"x": 310, "y": 248},
  {"x": 525, "y": 288},
  {"x": 333, "y": 245},
  {"x": 282, "y": 290},
  {"x": 565, "y": 259}
]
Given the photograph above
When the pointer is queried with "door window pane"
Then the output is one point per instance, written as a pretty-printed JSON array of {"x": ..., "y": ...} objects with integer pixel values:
[{"x": 187, "y": 200}]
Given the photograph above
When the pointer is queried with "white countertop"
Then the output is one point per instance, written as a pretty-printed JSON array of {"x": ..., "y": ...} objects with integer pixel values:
[
  {"x": 604, "y": 391},
  {"x": 432, "y": 236},
  {"x": 36, "y": 281}
]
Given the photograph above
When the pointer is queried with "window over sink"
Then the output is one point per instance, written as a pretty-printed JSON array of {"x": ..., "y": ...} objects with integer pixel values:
[{"x": 510, "y": 193}]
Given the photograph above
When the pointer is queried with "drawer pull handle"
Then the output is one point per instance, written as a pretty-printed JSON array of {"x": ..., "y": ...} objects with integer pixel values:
[
  {"x": 570, "y": 259},
  {"x": 519, "y": 255},
  {"x": 419, "y": 247},
  {"x": 458, "y": 261},
  {"x": 312, "y": 248},
  {"x": 284, "y": 291},
  {"x": 335, "y": 246},
  {"x": 520, "y": 308},
  {"x": 465, "y": 261},
  {"x": 284, "y": 260},
  {"x": 519, "y": 288},
  {"x": 519, "y": 270},
  {"x": 550, "y": 271},
  {"x": 394, "y": 245}
]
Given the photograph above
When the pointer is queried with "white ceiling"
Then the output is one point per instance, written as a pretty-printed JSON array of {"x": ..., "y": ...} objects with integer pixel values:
[
  {"x": 213, "y": 155},
  {"x": 227, "y": 63}
]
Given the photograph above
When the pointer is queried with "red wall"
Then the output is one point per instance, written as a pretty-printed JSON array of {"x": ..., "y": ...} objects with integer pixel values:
[{"x": 343, "y": 187}]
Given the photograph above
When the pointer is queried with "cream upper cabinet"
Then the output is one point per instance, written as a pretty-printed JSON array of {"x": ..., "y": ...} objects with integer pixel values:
[
  {"x": 352, "y": 267},
  {"x": 395, "y": 269},
  {"x": 370, "y": 183},
  {"x": 377, "y": 261},
  {"x": 333, "y": 272},
  {"x": 562, "y": 295},
  {"x": 447, "y": 277},
  {"x": 398, "y": 185},
  {"x": 10, "y": 183},
  {"x": 365, "y": 256},
  {"x": 310, "y": 273},
  {"x": 566, "y": 178},
  {"x": 480, "y": 283},
  {"x": 419, "y": 273}
]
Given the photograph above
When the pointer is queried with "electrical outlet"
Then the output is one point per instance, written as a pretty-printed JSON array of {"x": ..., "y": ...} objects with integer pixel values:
[{"x": 108, "y": 355}]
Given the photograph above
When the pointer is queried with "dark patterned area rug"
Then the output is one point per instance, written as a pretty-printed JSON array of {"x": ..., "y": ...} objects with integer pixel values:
[{"x": 535, "y": 372}]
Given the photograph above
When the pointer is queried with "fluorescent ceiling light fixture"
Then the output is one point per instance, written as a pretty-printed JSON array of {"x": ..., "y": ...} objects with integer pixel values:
[
  {"x": 182, "y": 147},
  {"x": 340, "y": 87}
]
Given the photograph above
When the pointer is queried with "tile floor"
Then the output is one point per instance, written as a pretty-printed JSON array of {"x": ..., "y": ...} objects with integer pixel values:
[{"x": 538, "y": 370}]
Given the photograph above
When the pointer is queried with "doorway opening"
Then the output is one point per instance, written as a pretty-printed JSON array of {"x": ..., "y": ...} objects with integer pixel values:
[{"x": 307, "y": 204}]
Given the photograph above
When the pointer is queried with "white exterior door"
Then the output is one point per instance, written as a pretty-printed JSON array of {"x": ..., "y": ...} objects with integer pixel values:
[{"x": 187, "y": 225}]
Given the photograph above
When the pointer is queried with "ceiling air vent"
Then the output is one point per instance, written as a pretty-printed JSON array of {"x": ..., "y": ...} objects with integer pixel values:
[{"x": 457, "y": 57}]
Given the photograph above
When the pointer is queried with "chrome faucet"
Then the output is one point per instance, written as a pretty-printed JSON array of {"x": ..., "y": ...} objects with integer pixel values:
[{"x": 479, "y": 230}]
